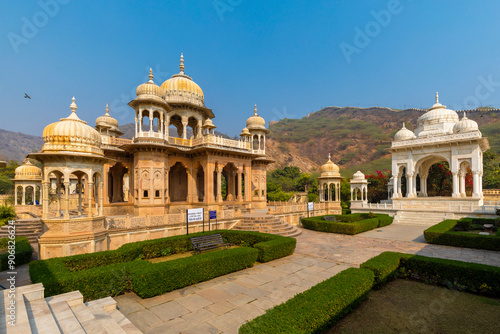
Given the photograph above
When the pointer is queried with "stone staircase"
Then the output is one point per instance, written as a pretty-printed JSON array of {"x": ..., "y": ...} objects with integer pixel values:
[
  {"x": 65, "y": 313},
  {"x": 30, "y": 228},
  {"x": 428, "y": 218},
  {"x": 265, "y": 223}
]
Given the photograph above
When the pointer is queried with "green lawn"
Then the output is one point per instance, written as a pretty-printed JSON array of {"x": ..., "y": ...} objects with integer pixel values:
[{"x": 405, "y": 306}]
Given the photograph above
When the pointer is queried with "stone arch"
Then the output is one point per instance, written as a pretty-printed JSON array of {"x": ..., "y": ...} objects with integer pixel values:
[
  {"x": 178, "y": 182},
  {"x": 176, "y": 124},
  {"x": 115, "y": 183},
  {"x": 230, "y": 188},
  {"x": 146, "y": 125}
]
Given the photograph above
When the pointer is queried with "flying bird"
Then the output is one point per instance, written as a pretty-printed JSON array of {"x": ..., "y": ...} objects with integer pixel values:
[{"x": 26, "y": 96}]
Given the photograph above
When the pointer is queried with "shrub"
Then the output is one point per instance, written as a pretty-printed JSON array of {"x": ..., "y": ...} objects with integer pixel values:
[
  {"x": 6, "y": 213},
  {"x": 443, "y": 234},
  {"x": 113, "y": 272},
  {"x": 317, "y": 309},
  {"x": 23, "y": 252},
  {"x": 347, "y": 224},
  {"x": 156, "y": 279}
]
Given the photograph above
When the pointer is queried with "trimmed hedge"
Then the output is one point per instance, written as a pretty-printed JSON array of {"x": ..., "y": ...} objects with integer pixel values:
[
  {"x": 466, "y": 276},
  {"x": 347, "y": 224},
  {"x": 110, "y": 273},
  {"x": 443, "y": 234},
  {"x": 22, "y": 255},
  {"x": 317, "y": 309}
]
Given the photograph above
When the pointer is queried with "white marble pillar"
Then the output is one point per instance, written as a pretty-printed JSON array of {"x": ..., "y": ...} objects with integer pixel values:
[
  {"x": 462, "y": 185},
  {"x": 456, "y": 190},
  {"x": 475, "y": 184}
]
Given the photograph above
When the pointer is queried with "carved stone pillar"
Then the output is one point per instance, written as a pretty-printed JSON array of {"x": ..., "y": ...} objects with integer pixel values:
[
  {"x": 66, "y": 199},
  {"x": 89, "y": 190},
  {"x": 219, "y": 184}
]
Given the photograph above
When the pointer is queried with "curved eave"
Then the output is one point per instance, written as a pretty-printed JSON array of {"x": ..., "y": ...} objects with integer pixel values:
[
  {"x": 48, "y": 155},
  {"x": 207, "y": 111},
  {"x": 150, "y": 99}
]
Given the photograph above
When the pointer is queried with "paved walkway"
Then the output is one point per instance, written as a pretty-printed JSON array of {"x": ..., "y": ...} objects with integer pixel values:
[{"x": 223, "y": 304}]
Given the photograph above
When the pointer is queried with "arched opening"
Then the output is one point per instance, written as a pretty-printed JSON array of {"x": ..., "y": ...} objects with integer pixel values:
[
  {"x": 439, "y": 180},
  {"x": 145, "y": 121},
  {"x": 177, "y": 179},
  {"x": 262, "y": 143},
  {"x": 465, "y": 179},
  {"x": 156, "y": 121},
  {"x": 175, "y": 126},
  {"x": 255, "y": 144},
  {"x": 200, "y": 184},
  {"x": 29, "y": 195},
  {"x": 116, "y": 175},
  {"x": 193, "y": 124},
  {"x": 402, "y": 181},
  {"x": 243, "y": 185},
  {"x": 38, "y": 194},
  {"x": 229, "y": 184}
]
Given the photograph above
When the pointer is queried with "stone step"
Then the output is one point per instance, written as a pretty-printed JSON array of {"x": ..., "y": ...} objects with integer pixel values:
[
  {"x": 40, "y": 317},
  {"x": 65, "y": 318}
]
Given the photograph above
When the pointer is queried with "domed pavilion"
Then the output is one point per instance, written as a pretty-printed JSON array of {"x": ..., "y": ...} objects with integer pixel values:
[
  {"x": 440, "y": 136},
  {"x": 329, "y": 182}
]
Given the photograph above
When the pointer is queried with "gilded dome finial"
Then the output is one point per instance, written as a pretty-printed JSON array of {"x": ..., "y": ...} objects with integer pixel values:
[
  {"x": 73, "y": 105},
  {"x": 329, "y": 157},
  {"x": 181, "y": 66},
  {"x": 437, "y": 97},
  {"x": 255, "y": 110},
  {"x": 151, "y": 75},
  {"x": 107, "y": 109}
]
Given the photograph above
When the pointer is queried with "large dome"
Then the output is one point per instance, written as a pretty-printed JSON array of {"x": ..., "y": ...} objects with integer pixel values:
[
  {"x": 71, "y": 134},
  {"x": 28, "y": 171},
  {"x": 437, "y": 121},
  {"x": 255, "y": 122},
  {"x": 180, "y": 88},
  {"x": 329, "y": 168}
]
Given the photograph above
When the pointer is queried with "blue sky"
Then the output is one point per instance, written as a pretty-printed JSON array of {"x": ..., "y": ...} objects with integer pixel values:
[{"x": 288, "y": 57}]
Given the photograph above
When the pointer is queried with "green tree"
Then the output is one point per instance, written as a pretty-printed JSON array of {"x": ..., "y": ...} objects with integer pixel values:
[{"x": 6, "y": 213}]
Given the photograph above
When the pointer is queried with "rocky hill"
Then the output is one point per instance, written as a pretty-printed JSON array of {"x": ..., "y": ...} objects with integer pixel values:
[
  {"x": 16, "y": 145},
  {"x": 357, "y": 138}
]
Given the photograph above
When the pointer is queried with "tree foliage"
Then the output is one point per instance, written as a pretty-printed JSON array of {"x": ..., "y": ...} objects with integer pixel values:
[{"x": 6, "y": 174}]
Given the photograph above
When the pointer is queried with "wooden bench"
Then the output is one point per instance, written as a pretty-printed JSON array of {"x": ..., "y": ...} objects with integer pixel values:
[{"x": 208, "y": 242}]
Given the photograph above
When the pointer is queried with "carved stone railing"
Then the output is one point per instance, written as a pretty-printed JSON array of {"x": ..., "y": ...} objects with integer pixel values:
[
  {"x": 119, "y": 141},
  {"x": 437, "y": 139}
]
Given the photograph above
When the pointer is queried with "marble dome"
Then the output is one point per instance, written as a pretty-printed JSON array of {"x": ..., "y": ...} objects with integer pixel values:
[
  {"x": 329, "y": 168},
  {"x": 358, "y": 176},
  {"x": 255, "y": 122},
  {"x": 180, "y": 88},
  {"x": 28, "y": 171},
  {"x": 71, "y": 134},
  {"x": 437, "y": 121},
  {"x": 465, "y": 125},
  {"x": 404, "y": 134},
  {"x": 107, "y": 121},
  {"x": 150, "y": 90}
]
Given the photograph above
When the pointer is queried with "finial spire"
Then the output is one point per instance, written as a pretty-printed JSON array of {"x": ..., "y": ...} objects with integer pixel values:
[
  {"x": 404, "y": 127},
  {"x": 151, "y": 75},
  {"x": 181, "y": 66},
  {"x": 465, "y": 114},
  {"x": 329, "y": 157},
  {"x": 107, "y": 109},
  {"x": 255, "y": 110},
  {"x": 73, "y": 105},
  {"x": 437, "y": 97}
]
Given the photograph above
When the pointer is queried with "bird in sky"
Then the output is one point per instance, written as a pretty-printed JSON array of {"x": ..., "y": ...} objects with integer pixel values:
[{"x": 26, "y": 96}]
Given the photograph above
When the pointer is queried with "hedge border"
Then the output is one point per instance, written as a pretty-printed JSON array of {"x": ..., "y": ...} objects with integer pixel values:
[
  {"x": 352, "y": 224},
  {"x": 23, "y": 252},
  {"x": 110, "y": 273},
  {"x": 443, "y": 234},
  {"x": 317, "y": 309}
]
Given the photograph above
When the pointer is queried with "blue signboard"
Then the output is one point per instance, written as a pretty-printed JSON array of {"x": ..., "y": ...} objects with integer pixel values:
[{"x": 212, "y": 214}]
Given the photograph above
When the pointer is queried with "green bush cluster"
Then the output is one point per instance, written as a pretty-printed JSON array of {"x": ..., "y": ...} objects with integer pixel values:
[
  {"x": 443, "y": 234},
  {"x": 110, "y": 273},
  {"x": 465, "y": 276},
  {"x": 22, "y": 255},
  {"x": 7, "y": 213},
  {"x": 347, "y": 224},
  {"x": 317, "y": 309}
]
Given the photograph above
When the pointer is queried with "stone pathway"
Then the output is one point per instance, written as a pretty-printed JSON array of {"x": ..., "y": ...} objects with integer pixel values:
[{"x": 223, "y": 304}]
